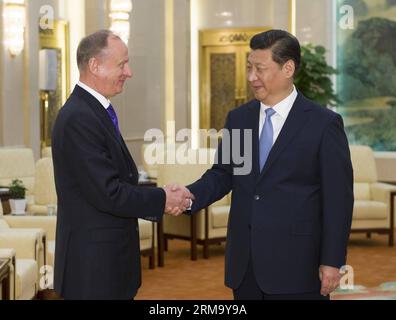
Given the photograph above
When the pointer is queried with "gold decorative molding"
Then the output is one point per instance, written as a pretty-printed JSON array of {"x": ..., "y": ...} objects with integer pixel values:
[
  {"x": 58, "y": 39},
  {"x": 169, "y": 63},
  {"x": 26, "y": 87},
  {"x": 224, "y": 37},
  {"x": 223, "y": 55},
  {"x": 1, "y": 81}
]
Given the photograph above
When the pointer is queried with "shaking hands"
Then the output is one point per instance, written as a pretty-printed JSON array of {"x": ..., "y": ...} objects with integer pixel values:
[{"x": 178, "y": 199}]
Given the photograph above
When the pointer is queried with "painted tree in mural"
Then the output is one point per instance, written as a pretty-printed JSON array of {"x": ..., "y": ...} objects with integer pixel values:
[
  {"x": 368, "y": 88},
  {"x": 370, "y": 61}
]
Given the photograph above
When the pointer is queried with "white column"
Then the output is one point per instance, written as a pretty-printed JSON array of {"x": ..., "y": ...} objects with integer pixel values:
[
  {"x": 74, "y": 12},
  {"x": 169, "y": 65}
]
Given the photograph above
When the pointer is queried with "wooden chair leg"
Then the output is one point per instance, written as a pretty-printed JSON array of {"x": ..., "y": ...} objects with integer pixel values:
[
  {"x": 151, "y": 262},
  {"x": 206, "y": 250},
  {"x": 166, "y": 244}
]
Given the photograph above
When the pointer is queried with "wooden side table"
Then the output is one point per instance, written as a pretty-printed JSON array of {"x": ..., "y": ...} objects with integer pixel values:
[
  {"x": 392, "y": 218},
  {"x": 5, "y": 275},
  {"x": 4, "y": 197},
  {"x": 160, "y": 227}
]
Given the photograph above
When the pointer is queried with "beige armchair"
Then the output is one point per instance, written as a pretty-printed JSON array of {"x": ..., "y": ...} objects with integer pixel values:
[
  {"x": 44, "y": 191},
  {"x": 17, "y": 163},
  {"x": 159, "y": 151},
  {"x": 25, "y": 246},
  {"x": 47, "y": 227},
  {"x": 35, "y": 230},
  {"x": 373, "y": 209},
  {"x": 147, "y": 241},
  {"x": 205, "y": 228}
]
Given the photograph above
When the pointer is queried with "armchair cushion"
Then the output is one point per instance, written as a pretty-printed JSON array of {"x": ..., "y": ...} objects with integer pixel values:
[
  {"x": 361, "y": 191},
  {"x": 25, "y": 244},
  {"x": 17, "y": 163},
  {"x": 370, "y": 210},
  {"x": 219, "y": 216},
  {"x": 364, "y": 167},
  {"x": 145, "y": 229},
  {"x": 44, "y": 187}
]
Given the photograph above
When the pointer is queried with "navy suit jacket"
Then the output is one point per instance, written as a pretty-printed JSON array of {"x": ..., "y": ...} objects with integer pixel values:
[
  {"x": 295, "y": 214},
  {"x": 97, "y": 252}
]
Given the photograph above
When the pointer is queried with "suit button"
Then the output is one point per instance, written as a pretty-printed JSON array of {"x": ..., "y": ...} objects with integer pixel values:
[
  {"x": 130, "y": 175},
  {"x": 257, "y": 197}
]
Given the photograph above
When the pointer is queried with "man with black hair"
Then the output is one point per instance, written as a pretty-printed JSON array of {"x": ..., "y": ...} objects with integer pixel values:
[{"x": 290, "y": 216}]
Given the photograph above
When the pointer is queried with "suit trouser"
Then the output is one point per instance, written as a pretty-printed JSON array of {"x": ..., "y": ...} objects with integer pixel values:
[{"x": 250, "y": 290}]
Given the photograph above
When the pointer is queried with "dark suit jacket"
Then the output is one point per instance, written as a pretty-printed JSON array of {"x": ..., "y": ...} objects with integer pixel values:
[
  {"x": 97, "y": 238},
  {"x": 296, "y": 214}
]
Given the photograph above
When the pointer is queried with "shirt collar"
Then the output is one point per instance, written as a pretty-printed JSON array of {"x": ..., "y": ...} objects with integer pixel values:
[
  {"x": 283, "y": 107},
  {"x": 103, "y": 100}
]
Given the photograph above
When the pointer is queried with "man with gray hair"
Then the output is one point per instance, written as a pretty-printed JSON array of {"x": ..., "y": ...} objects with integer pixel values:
[{"x": 97, "y": 252}]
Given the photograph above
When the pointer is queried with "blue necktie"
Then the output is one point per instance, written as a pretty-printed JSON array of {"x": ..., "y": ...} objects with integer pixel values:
[
  {"x": 113, "y": 117},
  {"x": 266, "y": 138}
]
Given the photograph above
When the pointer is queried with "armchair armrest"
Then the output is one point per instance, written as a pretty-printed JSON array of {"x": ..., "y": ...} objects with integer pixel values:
[
  {"x": 25, "y": 244},
  {"x": 381, "y": 191},
  {"x": 46, "y": 223},
  {"x": 7, "y": 253}
]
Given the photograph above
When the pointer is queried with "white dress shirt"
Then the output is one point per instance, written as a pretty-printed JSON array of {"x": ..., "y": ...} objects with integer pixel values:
[
  {"x": 103, "y": 101},
  {"x": 282, "y": 110}
]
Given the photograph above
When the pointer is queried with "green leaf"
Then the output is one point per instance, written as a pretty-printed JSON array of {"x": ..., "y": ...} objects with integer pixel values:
[{"x": 314, "y": 77}]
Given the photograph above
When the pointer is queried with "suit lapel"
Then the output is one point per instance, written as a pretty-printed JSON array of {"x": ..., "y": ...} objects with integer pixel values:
[
  {"x": 253, "y": 117},
  {"x": 98, "y": 109},
  {"x": 294, "y": 122}
]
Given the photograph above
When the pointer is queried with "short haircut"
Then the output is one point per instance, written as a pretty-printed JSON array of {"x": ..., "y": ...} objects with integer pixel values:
[
  {"x": 92, "y": 46},
  {"x": 284, "y": 46}
]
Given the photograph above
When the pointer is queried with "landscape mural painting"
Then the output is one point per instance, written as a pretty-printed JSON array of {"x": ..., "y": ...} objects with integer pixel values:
[{"x": 366, "y": 83}]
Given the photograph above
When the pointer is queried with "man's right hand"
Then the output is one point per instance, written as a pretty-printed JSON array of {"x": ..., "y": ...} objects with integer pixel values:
[{"x": 177, "y": 199}]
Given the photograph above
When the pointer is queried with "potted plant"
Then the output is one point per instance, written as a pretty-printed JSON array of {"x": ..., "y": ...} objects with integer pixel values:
[
  {"x": 17, "y": 197},
  {"x": 314, "y": 77}
]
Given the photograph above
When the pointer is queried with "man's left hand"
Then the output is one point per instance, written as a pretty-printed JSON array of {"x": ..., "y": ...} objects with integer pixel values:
[{"x": 330, "y": 278}]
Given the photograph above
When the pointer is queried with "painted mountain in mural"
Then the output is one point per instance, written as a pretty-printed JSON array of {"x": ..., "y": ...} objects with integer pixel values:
[{"x": 369, "y": 63}]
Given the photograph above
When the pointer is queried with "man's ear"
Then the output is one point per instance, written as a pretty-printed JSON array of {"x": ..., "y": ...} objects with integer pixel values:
[
  {"x": 93, "y": 66},
  {"x": 289, "y": 68}
]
